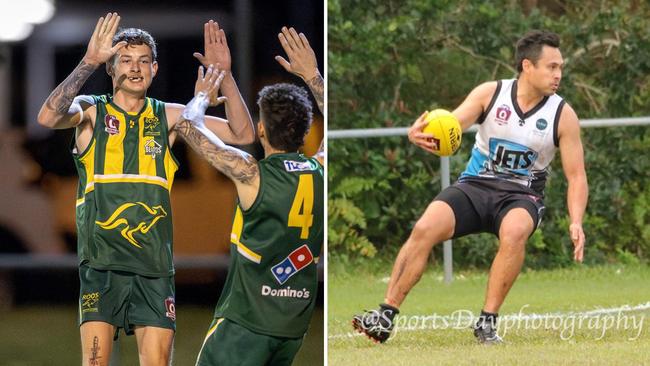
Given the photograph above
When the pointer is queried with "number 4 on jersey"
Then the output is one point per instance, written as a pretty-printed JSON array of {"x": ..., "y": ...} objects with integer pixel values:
[{"x": 304, "y": 200}]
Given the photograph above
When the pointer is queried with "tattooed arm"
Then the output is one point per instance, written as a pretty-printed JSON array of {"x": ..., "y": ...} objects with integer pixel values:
[
  {"x": 236, "y": 164},
  {"x": 302, "y": 62},
  {"x": 316, "y": 85},
  {"x": 61, "y": 109}
]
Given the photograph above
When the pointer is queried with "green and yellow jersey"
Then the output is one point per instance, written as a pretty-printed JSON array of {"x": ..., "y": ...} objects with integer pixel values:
[
  {"x": 272, "y": 282},
  {"x": 124, "y": 217}
]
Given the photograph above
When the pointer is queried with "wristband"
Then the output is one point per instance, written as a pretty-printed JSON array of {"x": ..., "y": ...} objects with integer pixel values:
[{"x": 195, "y": 110}]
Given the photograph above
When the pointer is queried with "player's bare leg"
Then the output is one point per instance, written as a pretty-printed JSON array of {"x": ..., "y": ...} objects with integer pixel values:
[
  {"x": 154, "y": 345},
  {"x": 436, "y": 225},
  {"x": 515, "y": 229},
  {"x": 96, "y": 343}
]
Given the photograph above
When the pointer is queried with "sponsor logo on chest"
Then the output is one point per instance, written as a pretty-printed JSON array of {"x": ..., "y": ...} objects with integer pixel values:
[
  {"x": 112, "y": 124},
  {"x": 540, "y": 130},
  {"x": 511, "y": 155},
  {"x": 503, "y": 114},
  {"x": 292, "y": 264},
  {"x": 152, "y": 148},
  {"x": 151, "y": 126},
  {"x": 285, "y": 292}
]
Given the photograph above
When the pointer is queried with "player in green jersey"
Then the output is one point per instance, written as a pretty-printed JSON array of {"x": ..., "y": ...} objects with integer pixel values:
[
  {"x": 270, "y": 293},
  {"x": 126, "y": 169}
]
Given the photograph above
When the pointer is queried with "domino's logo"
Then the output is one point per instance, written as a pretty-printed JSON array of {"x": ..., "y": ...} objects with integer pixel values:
[{"x": 292, "y": 264}]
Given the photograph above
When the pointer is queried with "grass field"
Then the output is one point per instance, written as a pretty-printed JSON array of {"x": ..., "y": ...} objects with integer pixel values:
[
  {"x": 41, "y": 336},
  {"x": 568, "y": 291}
]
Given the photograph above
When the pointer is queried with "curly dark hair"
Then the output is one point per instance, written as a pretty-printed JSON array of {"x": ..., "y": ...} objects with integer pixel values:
[
  {"x": 136, "y": 36},
  {"x": 530, "y": 46},
  {"x": 285, "y": 110}
]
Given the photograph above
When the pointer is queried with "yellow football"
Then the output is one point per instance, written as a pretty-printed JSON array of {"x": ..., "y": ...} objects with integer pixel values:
[{"x": 446, "y": 131}]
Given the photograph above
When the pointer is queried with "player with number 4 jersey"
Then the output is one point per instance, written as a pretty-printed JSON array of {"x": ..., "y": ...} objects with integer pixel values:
[{"x": 277, "y": 234}]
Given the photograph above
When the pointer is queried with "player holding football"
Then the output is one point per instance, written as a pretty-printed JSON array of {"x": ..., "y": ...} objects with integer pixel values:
[
  {"x": 277, "y": 234},
  {"x": 521, "y": 123},
  {"x": 126, "y": 169}
]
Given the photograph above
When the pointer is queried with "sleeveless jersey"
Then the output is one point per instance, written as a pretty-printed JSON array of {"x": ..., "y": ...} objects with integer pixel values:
[
  {"x": 272, "y": 282},
  {"x": 512, "y": 145},
  {"x": 124, "y": 216}
]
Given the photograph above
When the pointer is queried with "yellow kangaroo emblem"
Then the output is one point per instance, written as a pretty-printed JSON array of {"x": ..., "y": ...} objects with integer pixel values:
[{"x": 157, "y": 212}]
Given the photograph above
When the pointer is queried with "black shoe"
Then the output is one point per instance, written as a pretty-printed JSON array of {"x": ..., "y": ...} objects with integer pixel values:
[
  {"x": 485, "y": 331},
  {"x": 376, "y": 324}
]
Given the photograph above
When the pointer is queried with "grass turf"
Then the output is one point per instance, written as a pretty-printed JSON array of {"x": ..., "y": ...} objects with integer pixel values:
[
  {"x": 576, "y": 289},
  {"x": 42, "y": 336}
]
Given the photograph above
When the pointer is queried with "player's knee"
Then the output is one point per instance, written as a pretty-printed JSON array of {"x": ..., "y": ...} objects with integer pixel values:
[
  {"x": 160, "y": 358},
  {"x": 426, "y": 234},
  {"x": 514, "y": 236},
  {"x": 155, "y": 354}
]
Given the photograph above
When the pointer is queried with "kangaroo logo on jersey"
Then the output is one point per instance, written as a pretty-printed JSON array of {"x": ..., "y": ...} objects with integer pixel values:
[
  {"x": 133, "y": 218},
  {"x": 151, "y": 147},
  {"x": 503, "y": 114},
  {"x": 112, "y": 124},
  {"x": 511, "y": 156},
  {"x": 292, "y": 264}
]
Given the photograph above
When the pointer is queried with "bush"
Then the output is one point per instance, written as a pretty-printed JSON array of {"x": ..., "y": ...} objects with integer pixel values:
[{"x": 390, "y": 60}]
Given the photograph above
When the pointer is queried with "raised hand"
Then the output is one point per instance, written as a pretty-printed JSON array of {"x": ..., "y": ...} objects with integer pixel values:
[
  {"x": 419, "y": 138},
  {"x": 209, "y": 84},
  {"x": 215, "y": 47},
  {"x": 302, "y": 60},
  {"x": 100, "y": 47}
]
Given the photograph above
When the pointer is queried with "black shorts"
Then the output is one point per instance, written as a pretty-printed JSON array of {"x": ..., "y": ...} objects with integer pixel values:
[{"x": 480, "y": 205}]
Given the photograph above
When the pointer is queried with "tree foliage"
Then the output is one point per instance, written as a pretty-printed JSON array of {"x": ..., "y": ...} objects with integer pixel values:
[{"x": 390, "y": 60}]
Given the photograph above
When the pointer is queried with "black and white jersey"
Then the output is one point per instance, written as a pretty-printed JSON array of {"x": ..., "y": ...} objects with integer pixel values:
[{"x": 512, "y": 145}]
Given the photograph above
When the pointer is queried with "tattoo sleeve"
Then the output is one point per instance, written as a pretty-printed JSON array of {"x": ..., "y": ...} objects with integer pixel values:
[
  {"x": 234, "y": 163},
  {"x": 61, "y": 97},
  {"x": 317, "y": 86}
]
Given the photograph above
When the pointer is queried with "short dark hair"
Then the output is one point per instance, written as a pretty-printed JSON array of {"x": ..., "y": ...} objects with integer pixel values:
[
  {"x": 530, "y": 46},
  {"x": 285, "y": 110},
  {"x": 136, "y": 36}
]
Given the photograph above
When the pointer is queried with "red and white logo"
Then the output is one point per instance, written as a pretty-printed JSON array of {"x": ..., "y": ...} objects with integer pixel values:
[
  {"x": 170, "y": 308},
  {"x": 292, "y": 264},
  {"x": 503, "y": 114},
  {"x": 112, "y": 124}
]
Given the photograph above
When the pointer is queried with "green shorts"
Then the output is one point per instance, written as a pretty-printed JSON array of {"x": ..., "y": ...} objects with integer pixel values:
[
  {"x": 228, "y": 343},
  {"x": 126, "y": 300}
]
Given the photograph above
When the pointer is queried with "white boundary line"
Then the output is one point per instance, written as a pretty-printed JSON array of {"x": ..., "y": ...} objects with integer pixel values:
[{"x": 519, "y": 316}]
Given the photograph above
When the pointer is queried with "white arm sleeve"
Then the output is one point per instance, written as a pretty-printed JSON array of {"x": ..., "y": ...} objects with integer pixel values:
[
  {"x": 75, "y": 107},
  {"x": 195, "y": 112}
]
